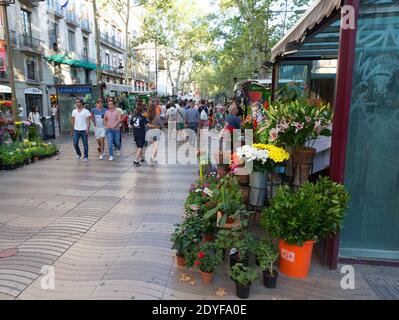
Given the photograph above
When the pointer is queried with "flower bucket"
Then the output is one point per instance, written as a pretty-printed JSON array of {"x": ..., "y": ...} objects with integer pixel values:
[
  {"x": 181, "y": 262},
  {"x": 302, "y": 162},
  {"x": 206, "y": 277},
  {"x": 295, "y": 260},
  {"x": 258, "y": 184}
]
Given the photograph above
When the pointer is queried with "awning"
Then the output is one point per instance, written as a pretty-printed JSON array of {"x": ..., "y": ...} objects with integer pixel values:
[
  {"x": 5, "y": 89},
  {"x": 318, "y": 10},
  {"x": 64, "y": 59}
]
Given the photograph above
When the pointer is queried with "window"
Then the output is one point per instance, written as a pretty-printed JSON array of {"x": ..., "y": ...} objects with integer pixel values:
[
  {"x": 30, "y": 69},
  {"x": 113, "y": 32},
  {"x": 107, "y": 62},
  {"x": 71, "y": 40},
  {"x": 114, "y": 61},
  {"x": 26, "y": 23},
  {"x": 85, "y": 48},
  {"x": 53, "y": 33}
]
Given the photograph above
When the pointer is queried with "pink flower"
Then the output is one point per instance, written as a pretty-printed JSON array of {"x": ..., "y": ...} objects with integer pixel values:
[
  {"x": 308, "y": 119},
  {"x": 194, "y": 207},
  {"x": 273, "y": 134},
  {"x": 298, "y": 126}
]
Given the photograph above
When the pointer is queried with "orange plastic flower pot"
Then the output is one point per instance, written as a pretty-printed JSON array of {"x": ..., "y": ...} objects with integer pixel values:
[{"x": 295, "y": 260}]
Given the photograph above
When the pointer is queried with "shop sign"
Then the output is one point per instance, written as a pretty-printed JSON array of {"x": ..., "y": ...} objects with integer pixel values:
[
  {"x": 33, "y": 91},
  {"x": 74, "y": 90}
]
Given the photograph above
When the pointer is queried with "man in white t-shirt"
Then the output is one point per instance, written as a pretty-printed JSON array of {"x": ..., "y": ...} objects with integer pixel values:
[
  {"x": 81, "y": 124},
  {"x": 171, "y": 117}
]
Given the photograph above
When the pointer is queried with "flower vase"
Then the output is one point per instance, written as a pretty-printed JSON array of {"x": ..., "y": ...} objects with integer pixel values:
[{"x": 258, "y": 187}]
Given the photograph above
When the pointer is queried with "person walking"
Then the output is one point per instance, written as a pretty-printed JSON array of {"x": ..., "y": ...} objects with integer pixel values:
[
  {"x": 171, "y": 117},
  {"x": 192, "y": 118},
  {"x": 97, "y": 116},
  {"x": 81, "y": 125},
  {"x": 232, "y": 120},
  {"x": 112, "y": 119},
  {"x": 122, "y": 123},
  {"x": 180, "y": 121},
  {"x": 155, "y": 123},
  {"x": 138, "y": 123}
]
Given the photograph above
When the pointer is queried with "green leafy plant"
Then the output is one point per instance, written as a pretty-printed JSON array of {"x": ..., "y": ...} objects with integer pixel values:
[
  {"x": 239, "y": 238},
  {"x": 267, "y": 255},
  {"x": 242, "y": 275},
  {"x": 208, "y": 257},
  {"x": 311, "y": 213}
]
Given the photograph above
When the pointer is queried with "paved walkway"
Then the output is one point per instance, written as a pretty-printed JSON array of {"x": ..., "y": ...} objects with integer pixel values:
[{"x": 105, "y": 228}]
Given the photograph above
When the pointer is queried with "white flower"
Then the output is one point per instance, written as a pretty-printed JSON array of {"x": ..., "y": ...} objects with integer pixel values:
[{"x": 248, "y": 153}]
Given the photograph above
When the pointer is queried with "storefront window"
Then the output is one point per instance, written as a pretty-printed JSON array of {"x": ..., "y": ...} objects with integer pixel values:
[{"x": 372, "y": 171}]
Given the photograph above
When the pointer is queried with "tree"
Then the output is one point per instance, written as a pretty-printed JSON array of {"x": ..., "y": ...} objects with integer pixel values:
[{"x": 97, "y": 41}]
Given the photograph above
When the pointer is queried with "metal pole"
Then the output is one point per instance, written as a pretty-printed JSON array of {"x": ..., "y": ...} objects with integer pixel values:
[
  {"x": 10, "y": 66},
  {"x": 156, "y": 69}
]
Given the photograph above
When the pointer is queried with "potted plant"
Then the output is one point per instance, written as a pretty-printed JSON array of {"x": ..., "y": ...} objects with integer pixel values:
[
  {"x": 301, "y": 218},
  {"x": 208, "y": 257},
  {"x": 295, "y": 125},
  {"x": 267, "y": 256},
  {"x": 184, "y": 239},
  {"x": 243, "y": 277}
]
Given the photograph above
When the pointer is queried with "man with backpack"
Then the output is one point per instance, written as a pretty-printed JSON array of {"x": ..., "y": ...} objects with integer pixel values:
[{"x": 203, "y": 112}]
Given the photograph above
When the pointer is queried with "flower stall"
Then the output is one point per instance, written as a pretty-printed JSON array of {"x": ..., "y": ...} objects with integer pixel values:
[{"x": 355, "y": 69}]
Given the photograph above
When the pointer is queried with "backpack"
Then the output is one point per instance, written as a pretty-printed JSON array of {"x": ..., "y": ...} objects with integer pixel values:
[{"x": 204, "y": 116}]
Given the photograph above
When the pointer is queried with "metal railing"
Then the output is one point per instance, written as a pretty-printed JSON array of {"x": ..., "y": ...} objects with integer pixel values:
[
  {"x": 85, "y": 25},
  {"x": 54, "y": 7},
  {"x": 113, "y": 70},
  {"x": 13, "y": 37},
  {"x": 30, "y": 41},
  {"x": 111, "y": 41},
  {"x": 72, "y": 17}
]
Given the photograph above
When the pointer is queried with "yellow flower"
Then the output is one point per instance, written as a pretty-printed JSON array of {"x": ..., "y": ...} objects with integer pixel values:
[
  {"x": 277, "y": 154},
  {"x": 17, "y": 123}
]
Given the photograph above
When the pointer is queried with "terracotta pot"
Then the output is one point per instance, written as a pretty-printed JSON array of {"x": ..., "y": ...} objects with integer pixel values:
[
  {"x": 295, "y": 260},
  {"x": 181, "y": 262},
  {"x": 209, "y": 237},
  {"x": 243, "y": 180},
  {"x": 206, "y": 277},
  {"x": 302, "y": 162}
]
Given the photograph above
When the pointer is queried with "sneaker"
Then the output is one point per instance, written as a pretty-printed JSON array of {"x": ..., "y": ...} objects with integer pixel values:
[
  {"x": 137, "y": 164},
  {"x": 118, "y": 153},
  {"x": 111, "y": 158},
  {"x": 143, "y": 160},
  {"x": 78, "y": 158},
  {"x": 85, "y": 160},
  {"x": 101, "y": 157}
]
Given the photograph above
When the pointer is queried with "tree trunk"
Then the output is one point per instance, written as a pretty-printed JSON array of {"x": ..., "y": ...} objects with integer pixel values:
[{"x": 97, "y": 40}]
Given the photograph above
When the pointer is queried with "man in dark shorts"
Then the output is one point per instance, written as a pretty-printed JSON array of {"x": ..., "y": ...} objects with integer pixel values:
[{"x": 139, "y": 122}]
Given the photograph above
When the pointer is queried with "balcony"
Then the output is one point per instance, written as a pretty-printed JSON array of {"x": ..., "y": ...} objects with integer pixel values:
[
  {"x": 54, "y": 7},
  {"x": 85, "y": 56},
  {"x": 31, "y": 3},
  {"x": 106, "y": 39},
  {"x": 113, "y": 71},
  {"x": 85, "y": 25},
  {"x": 30, "y": 43},
  {"x": 72, "y": 19},
  {"x": 13, "y": 38}
]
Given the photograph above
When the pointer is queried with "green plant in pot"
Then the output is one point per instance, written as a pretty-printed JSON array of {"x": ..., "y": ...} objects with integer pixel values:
[
  {"x": 185, "y": 239},
  {"x": 301, "y": 218},
  {"x": 267, "y": 256},
  {"x": 243, "y": 277},
  {"x": 207, "y": 258}
]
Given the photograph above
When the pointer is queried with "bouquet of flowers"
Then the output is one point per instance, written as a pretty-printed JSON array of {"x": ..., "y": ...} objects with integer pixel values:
[
  {"x": 263, "y": 156},
  {"x": 295, "y": 124}
]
